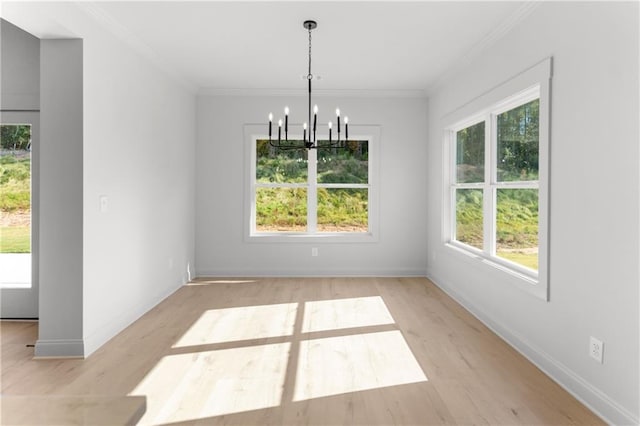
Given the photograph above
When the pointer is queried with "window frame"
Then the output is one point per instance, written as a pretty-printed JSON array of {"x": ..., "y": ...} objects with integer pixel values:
[
  {"x": 534, "y": 83},
  {"x": 255, "y": 132}
]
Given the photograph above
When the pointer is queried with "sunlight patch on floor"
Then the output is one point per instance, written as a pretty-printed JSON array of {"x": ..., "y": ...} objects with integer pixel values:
[
  {"x": 208, "y": 383},
  {"x": 338, "y": 314},
  {"x": 213, "y": 383},
  {"x": 338, "y": 365},
  {"x": 242, "y": 323}
]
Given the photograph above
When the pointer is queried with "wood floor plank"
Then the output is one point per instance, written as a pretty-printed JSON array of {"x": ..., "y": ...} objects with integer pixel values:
[
  {"x": 312, "y": 351},
  {"x": 71, "y": 410}
]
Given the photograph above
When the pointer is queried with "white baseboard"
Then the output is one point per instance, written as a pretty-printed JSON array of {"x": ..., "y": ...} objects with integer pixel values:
[
  {"x": 596, "y": 400},
  {"x": 310, "y": 273},
  {"x": 121, "y": 321},
  {"x": 59, "y": 348}
]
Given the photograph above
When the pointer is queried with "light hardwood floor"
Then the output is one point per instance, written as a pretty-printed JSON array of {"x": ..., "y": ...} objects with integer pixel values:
[{"x": 303, "y": 351}]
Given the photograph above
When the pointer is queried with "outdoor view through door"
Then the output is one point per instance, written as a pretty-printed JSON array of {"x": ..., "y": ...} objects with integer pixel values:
[{"x": 15, "y": 205}]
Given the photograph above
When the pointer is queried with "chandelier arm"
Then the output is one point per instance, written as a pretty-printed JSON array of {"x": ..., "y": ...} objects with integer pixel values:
[
  {"x": 336, "y": 145},
  {"x": 320, "y": 144},
  {"x": 282, "y": 147}
]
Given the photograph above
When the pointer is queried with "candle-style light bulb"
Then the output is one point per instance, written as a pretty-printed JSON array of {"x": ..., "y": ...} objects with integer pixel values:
[
  {"x": 315, "y": 116},
  {"x": 286, "y": 123},
  {"x": 346, "y": 128},
  {"x": 338, "y": 115},
  {"x": 338, "y": 112},
  {"x": 315, "y": 119},
  {"x": 279, "y": 129}
]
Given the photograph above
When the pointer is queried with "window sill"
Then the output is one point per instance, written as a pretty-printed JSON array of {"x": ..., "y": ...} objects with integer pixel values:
[{"x": 528, "y": 283}]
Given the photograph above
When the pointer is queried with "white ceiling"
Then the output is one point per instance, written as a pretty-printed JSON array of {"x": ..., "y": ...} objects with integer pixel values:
[{"x": 367, "y": 46}]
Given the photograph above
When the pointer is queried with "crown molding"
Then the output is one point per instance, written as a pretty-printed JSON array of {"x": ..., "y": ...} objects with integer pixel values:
[
  {"x": 342, "y": 93},
  {"x": 497, "y": 33},
  {"x": 94, "y": 10}
]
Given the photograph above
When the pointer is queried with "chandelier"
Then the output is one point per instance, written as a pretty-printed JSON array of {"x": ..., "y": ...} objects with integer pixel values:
[{"x": 309, "y": 140}]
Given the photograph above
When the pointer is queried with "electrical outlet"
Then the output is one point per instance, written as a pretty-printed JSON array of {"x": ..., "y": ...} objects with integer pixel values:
[
  {"x": 596, "y": 349},
  {"x": 314, "y": 251}
]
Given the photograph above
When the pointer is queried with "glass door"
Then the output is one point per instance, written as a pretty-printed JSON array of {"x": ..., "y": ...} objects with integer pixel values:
[{"x": 18, "y": 214}]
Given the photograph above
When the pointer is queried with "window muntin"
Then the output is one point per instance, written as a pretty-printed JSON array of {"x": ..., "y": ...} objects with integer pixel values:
[
  {"x": 494, "y": 183},
  {"x": 315, "y": 192}
]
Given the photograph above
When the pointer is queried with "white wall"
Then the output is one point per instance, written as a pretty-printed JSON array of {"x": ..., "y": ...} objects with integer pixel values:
[
  {"x": 20, "y": 76},
  {"x": 222, "y": 182},
  {"x": 594, "y": 201},
  {"x": 138, "y": 151},
  {"x": 60, "y": 331}
]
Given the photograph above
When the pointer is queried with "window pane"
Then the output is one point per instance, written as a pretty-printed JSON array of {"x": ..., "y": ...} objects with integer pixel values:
[
  {"x": 469, "y": 217},
  {"x": 518, "y": 143},
  {"x": 280, "y": 166},
  {"x": 343, "y": 210},
  {"x": 281, "y": 209},
  {"x": 517, "y": 226},
  {"x": 15, "y": 192},
  {"x": 470, "y": 154},
  {"x": 349, "y": 165}
]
